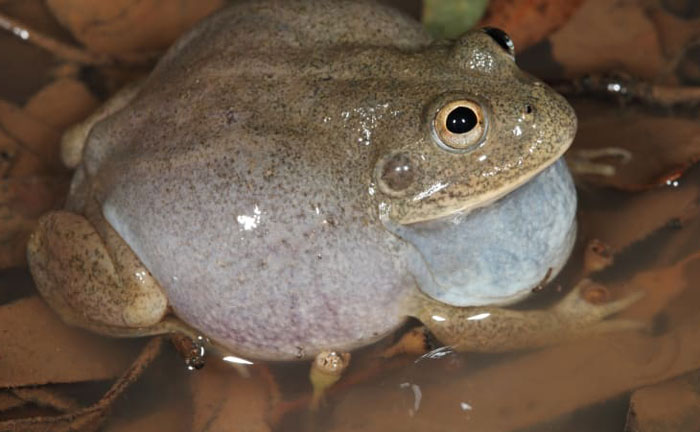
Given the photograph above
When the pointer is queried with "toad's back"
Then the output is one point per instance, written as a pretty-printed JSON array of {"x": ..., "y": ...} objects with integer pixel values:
[{"x": 245, "y": 188}]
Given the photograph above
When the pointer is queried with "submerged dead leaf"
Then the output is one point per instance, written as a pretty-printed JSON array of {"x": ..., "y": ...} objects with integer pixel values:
[
  {"x": 129, "y": 26},
  {"x": 17, "y": 161},
  {"x": 35, "y": 14},
  {"x": 9, "y": 401},
  {"x": 62, "y": 103},
  {"x": 549, "y": 383},
  {"x": 166, "y": 418},
  {"x": 604, "y": 36},
  {"x": 669, "y": 406},
  {"x": 678, "y": 26},
  {"x": 46, "y": 397},
  {"x": 32, "y": 134},
  {"x": 661, "y": 147},
  {"x": 89, "y": 419},
  {"x": 661, "y": 285},
  {"x": 37, "y": 348},
  {"x": 32, "y": 179},
  {"x": 622, "y": 219},
  {"x": 22, "y": 201},
  {"x": 158, "y": 401},
  {"x": 223, "y": 398}
]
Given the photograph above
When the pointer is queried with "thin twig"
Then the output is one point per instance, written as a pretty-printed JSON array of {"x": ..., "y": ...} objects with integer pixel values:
[
  {"x": 89, "y": 418},
  {"x": 47, "y": 397},
  {"x": 625, "y": 88},
  {"x": 59, "y": 49}
]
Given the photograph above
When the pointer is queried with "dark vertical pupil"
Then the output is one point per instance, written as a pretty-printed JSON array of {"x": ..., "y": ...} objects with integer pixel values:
[{"x": 461, "y": 120}]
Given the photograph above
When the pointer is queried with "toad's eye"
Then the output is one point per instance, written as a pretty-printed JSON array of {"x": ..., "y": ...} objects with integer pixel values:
[
  {"x": 502, "y": 39},
  {"x": 460, "y": 125}
]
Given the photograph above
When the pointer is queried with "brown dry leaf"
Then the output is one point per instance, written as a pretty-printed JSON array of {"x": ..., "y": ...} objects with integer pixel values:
[
  {"x": 35, "y": 14},
  {"x": 24, "y": 67},
  {"x": 157, "y": 402},
  {"x": 89, "y": 419},
  {"x": 669, "y": 406},
  {"x": 525, "y": 391},
  {"x": 129, "y": 26},
  {"x": 661, "y": 285},
  {"x": 34, "y": 136},
  {"x": 529, "y": 21},
  {"x": 676, "y": 33},
  {"x": 9, "y": 401},
  {"x": 222, "y": 398},
  {"x": 16, "y": 160},
  {"x": 621, "y": 219},
  {"x": 22, "y": 201},
  {"x": 46, "y": 396},
  {"x": 58, "y": 105},
  {"x": 606, "y": 35},
  {"x": 37, "y": 348},
  {"x": 623, "y": 226},
  {"x": 62, "y": 103},
  {"x": 165, "y": 419},
  {"x": 661, "y": 147}
]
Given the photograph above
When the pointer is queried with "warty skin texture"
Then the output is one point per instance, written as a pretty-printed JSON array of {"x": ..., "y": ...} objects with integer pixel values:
[{"x": 243, "y": 175}]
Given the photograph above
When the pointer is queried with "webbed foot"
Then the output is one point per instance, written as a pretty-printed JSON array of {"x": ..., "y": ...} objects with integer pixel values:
[
  {"x": 588, "y": 162},
  {"x": 493, "y": 329},
  {"x": 326, "y": 370},
  {"x": 415, "y": 341}
]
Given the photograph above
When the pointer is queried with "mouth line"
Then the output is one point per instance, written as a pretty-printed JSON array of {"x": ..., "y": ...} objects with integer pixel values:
[
  {"x": 487, "y": 199},
  {"x": 498, "y": 254}
]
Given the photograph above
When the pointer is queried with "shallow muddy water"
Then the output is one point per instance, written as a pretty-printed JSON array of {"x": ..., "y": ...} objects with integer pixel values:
[{"x": 639, "y": 229}]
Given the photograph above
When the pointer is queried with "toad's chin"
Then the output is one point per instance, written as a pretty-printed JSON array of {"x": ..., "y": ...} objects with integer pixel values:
[{"x": 496, "y": 254}]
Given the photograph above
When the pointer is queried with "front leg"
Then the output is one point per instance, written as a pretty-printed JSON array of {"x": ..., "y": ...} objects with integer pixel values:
[{"x": 493, "y": 329}]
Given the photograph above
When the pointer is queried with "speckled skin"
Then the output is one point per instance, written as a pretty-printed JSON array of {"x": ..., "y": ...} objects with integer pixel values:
[{"x": 243, "y": 176}]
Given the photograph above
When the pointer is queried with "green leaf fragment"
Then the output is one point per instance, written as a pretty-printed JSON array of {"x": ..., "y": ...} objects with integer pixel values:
[{"x": 447, "y": 19}]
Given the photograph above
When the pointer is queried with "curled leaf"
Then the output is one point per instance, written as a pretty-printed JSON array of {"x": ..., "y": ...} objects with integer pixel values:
[
  {"x": 529, "y": 21},
  {"x": 128, "y": 26},
  {"x": 37, "y": 348}
]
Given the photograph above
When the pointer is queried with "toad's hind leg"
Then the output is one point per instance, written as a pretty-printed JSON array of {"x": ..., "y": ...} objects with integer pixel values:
[
  {"x": 92, "y": 279},
  {"x": 492, "y": 329}
]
